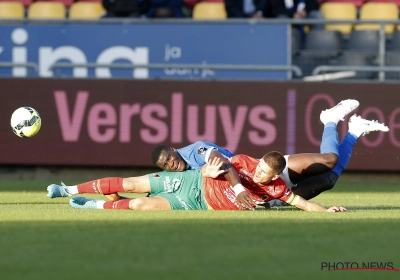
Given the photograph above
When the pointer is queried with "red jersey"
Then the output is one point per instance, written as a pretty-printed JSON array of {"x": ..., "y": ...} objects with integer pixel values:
[{"x": 219, "y": 193}]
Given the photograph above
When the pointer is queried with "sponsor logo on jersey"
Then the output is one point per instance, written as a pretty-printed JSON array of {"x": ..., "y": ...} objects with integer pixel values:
[
  {"x": 271, "y": 190},
  {"x": 202, "y": 150},
  {"x": 229, "y": 193},
  {"x": 171, "y": 186}
]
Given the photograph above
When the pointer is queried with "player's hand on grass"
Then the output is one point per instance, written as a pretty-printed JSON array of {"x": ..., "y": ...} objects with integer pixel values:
[
  {"x": 336, "y": 209},
  {"x": 246, "y": 201},
  {"x": 213, "y": 168}
]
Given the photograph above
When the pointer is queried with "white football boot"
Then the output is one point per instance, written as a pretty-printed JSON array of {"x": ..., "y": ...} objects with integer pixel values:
[
  {"x": 359, "y": 126},
  {"x": 337, "y": 113}
]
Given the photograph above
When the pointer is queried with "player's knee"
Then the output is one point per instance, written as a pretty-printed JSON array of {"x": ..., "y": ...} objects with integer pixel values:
[
  {"x": 138, "y": 204},
  {"x": 332, "y": 178},
  {"x": 331, "y": 160},
  {"x": 129, "y": 185}
]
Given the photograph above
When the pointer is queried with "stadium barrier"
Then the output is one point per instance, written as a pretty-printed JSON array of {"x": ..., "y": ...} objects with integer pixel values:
[
  {"x": 295, "y": 69},
  {"x": 285, "y": 67},
  {"x": 31, "y": 65}
]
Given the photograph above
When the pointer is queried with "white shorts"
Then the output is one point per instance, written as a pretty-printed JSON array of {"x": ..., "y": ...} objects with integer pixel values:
[{"x": 285, "y": 174}]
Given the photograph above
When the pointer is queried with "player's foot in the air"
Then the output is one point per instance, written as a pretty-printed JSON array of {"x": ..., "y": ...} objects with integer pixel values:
[
  {"x": 360, "y": 126},
  {"x": 337, "y": 113},
  {"x": 81, "y": 202},
  {"x": 57, "y": 191}
]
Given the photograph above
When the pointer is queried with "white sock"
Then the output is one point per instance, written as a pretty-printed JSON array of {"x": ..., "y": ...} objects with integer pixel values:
[
  {"x": 72, "y": 190},
  {"x": 100, "y": 204}
]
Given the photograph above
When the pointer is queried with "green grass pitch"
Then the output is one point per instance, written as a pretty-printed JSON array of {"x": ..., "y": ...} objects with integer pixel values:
[{"x": 42, "y": 238}]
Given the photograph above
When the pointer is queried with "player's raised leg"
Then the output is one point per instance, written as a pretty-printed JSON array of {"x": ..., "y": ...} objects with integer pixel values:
[
  {"x": 357, "y": 127},
  {"x": 106, "y": 186},
  {"x": 315, "y": 185},
  {"x": 302, "y": 166},
  {"x": 142, "y": 203}
]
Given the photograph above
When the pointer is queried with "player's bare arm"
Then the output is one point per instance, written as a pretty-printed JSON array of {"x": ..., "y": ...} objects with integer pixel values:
[{"x": 306, "y": 205}]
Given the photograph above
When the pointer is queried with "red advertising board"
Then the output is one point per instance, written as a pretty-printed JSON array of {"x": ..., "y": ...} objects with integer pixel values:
[{"x": 118, "y": 122}]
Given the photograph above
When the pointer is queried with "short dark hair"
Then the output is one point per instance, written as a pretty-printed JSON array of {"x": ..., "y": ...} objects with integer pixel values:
[
  {"x": 155, "y": 153},
  {"x": 276, "y": 161}
]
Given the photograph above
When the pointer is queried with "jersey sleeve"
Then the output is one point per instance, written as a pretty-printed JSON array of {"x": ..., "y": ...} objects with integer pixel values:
[
  {"x": 156, "y": 182},
  {"x": 208, "y": 154},
  {"x": 198, "y": 153},
  {"x": 287, "y": 196},
  {"x": 202, "y": 152}
]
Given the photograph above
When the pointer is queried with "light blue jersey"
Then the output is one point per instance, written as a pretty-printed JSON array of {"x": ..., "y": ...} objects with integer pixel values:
[{"x": 197, "y": 154}]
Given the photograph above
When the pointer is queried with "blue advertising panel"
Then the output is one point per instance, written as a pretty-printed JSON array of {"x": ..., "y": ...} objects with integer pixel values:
[{"x": 145, "y": 43}]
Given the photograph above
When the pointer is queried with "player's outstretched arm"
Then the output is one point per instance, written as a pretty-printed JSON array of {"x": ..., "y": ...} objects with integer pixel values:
[{"x": 306, "y": 205}]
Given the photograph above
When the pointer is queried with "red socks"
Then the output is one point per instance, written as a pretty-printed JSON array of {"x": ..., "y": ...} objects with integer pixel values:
[
  {"x": 108, "y": 185},
  {"x": 122, "y": 204},
  {"x": 102, "y": 186}
]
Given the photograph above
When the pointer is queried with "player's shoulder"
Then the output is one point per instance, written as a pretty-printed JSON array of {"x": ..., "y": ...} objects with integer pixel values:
[
  {"x": 201, "y": 147},
  {"x": 280, "y": 182},
  {"x": 195, "y": 147},
  {"x": 206, "y": 144},
  {"x": 243, "y": 157},
  {"x": 244, "y": 162}
]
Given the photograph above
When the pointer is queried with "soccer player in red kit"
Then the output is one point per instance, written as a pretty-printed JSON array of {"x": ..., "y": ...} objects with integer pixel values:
[
  {"x": 221, "y": 196},
  {"x": 261, "y": 181}
]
